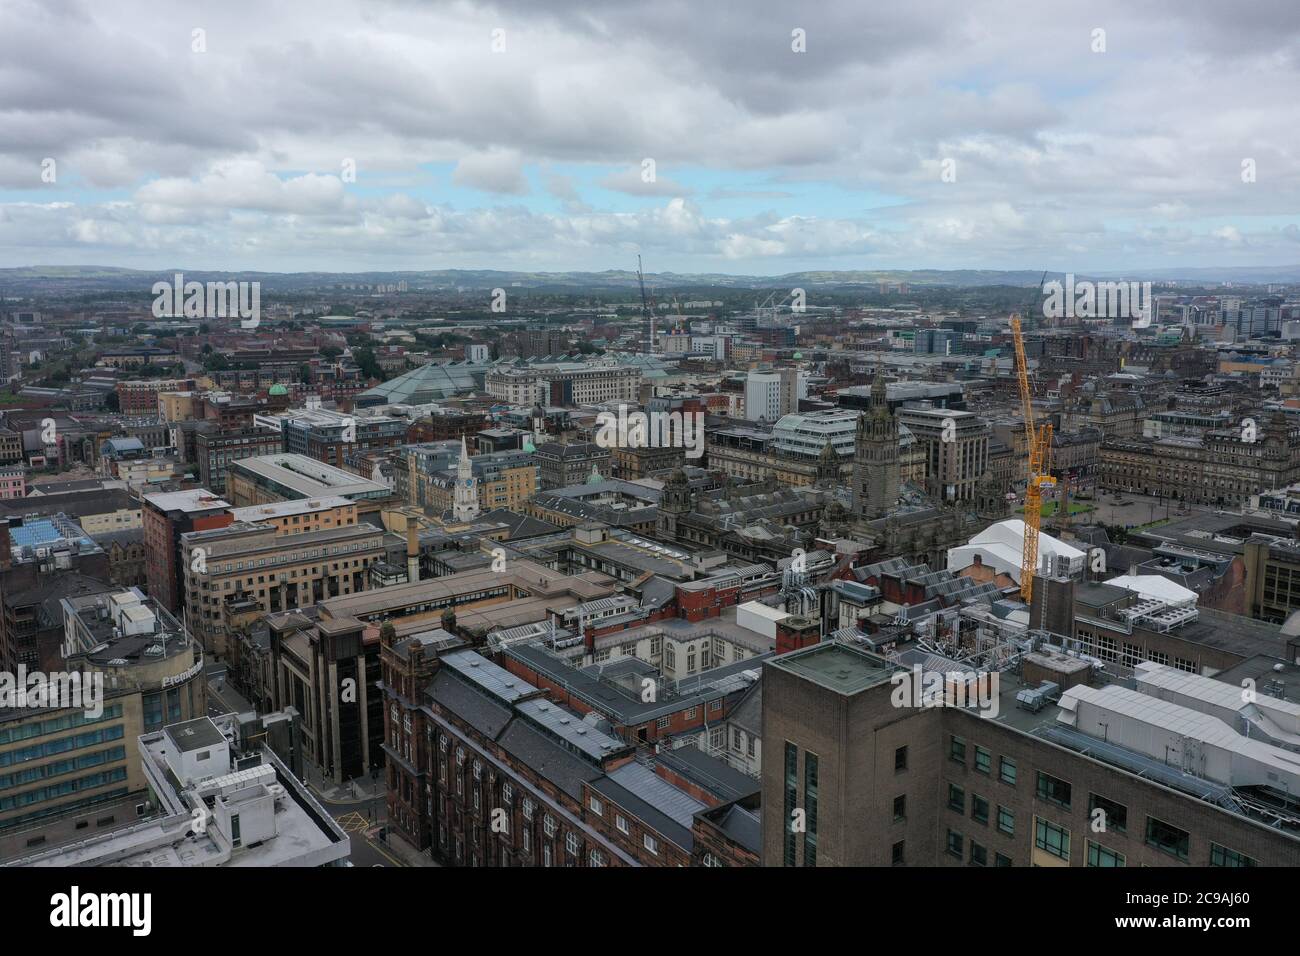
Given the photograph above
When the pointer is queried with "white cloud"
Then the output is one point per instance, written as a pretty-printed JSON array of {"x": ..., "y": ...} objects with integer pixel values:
[{"x": 1064, "y": 157}]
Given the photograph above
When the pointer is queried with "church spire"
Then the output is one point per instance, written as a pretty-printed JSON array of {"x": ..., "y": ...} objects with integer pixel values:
[{"x": 465, "y": 496}]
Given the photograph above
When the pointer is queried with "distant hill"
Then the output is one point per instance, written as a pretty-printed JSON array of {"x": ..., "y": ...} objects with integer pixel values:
[{"x": 87, "y": 279}]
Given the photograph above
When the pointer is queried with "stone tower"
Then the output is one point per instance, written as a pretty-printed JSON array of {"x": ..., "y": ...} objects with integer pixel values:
[
  {"x": 991, "y": 499},
  {"x": 465, "y": 502},
  {"x": 674, "y": 501},
  {"x": 875, "y": 456},
  {"x": 828, "y": 467}
]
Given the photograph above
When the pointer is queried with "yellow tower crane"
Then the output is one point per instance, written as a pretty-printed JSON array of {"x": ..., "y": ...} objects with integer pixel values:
[{"x": 1038, "y": 442}]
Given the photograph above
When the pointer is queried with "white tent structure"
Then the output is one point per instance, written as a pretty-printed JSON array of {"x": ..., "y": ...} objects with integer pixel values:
[
  {"x": 1001, "y": 546},
  {"x": 1156, "y": 588}
]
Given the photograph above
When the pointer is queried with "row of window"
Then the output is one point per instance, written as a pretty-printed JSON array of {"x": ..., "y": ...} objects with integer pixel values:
[
  {"x": 1104, "y": 814},
  {"x": 62, "y": 745},
  {"x": 39, "y": 728}
]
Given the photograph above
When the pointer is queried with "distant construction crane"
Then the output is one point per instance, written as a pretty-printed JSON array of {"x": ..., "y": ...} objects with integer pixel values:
[
  {"x": 1038, "y": 442},
  {"x": 647, "y": 306}
]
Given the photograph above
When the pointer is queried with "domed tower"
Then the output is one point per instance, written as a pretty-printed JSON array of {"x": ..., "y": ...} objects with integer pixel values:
[
  {"x": 990, "y": 499},
  {"x": 875, "y": 455}
]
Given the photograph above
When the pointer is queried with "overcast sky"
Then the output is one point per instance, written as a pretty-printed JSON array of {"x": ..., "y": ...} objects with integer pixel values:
[{"x": 533, "y": 157}]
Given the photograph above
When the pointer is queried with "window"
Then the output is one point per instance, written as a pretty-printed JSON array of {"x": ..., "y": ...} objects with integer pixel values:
[
  {"x": 621, "y": 822},
  {"x": 900, "y": 759},
  {"x": 956, "y": 798},
  {"x": 896, "y": 853},
  {"x": 1051, "y": 838},
  {"x": 1113, "y": 816},
  {"x": 1099, "y": 855},
  {"x": 957, "y": 749},
  {"x": 900, "y": 807},
  {"x": 979, "y": 809},
  {"x": 651, "y": 844},
  {"x": 507, "y": 793},
  {"x": 1007, "y": 820},
  {"x": 983, "y": 760},
  {"x": 810, "y": 809},
  {"x": 979, "y": 856},
  {"x": 662, "y": 723},
  {"x": 955, "y": 844},
  {"x": 548, "y": 825},
  {"x": 528, "y": 808},
  {"x": 1222, "y": 856},
  {"x": 1167, "y": 838},
  {"x": 571, "y": 843},
  {"x": 597, "y": 858},
  {"x": 1053, "y": 790},
  {"x": 791, "y": 792},
  {"x": 597, "y": 807},
  {"x": 1000, "y": 860},
  {"x": 711, "y": 860},
  {"x": 1007, "y": 771}
]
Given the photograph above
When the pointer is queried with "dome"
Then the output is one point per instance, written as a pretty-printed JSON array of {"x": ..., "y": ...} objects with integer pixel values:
[
  {"x": 277, "y": 389},
  {"x": 797, "y": 356}
]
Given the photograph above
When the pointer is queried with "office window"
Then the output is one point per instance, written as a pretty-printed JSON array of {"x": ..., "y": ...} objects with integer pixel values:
[
  {"x": 1007, "y": 771},
  {"x": 1222, "y": 856},
  {"x": 900, "y": 758},
  {"x": 957, "y": 749},
  {"x": 1113, "y": 816},
  {"x": 955, "y": 844},
  {"x": 791, "y": 800},
  {"x": 956, "y": 798},
  {"x": 1053, "y": 790},
  {"x": 1099, "y": 855},
  {"x": 1166, "y": 838},
  {"x": 979, "y": 856},
  {"x": 1052, "y": 838},
  {"x": 900, "y": 807},
  {"x": 1007, "y": 820},
  {"x": 897, "y": 851},
  {"x": 983, "y": 760},
  {"x": 979, "y": 808},
  {"x": 810, "y": 809}
]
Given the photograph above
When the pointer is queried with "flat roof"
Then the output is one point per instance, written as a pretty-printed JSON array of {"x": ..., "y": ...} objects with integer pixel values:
[
  {"x": 838, "y": 667},
  {"x": 280, "y": 509},
  {"x": 194, "y": 734},
  {"x": 307, "y": 476},
  {"x": 194, "y": 499}
]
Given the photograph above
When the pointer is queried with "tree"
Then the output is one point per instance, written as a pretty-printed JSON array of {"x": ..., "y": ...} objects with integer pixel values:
[
  {"x": 369, "y": 365},
  {"x": 112, "y": 402}
]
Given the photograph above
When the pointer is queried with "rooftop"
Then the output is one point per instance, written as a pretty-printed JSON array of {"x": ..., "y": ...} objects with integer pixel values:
[{"x": 838, "y": 667}]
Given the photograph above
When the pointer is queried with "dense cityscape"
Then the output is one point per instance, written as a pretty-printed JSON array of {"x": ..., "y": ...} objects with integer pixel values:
[
  {"x": 474, "y": 435},
  {"x": 653, "y": 576}
]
